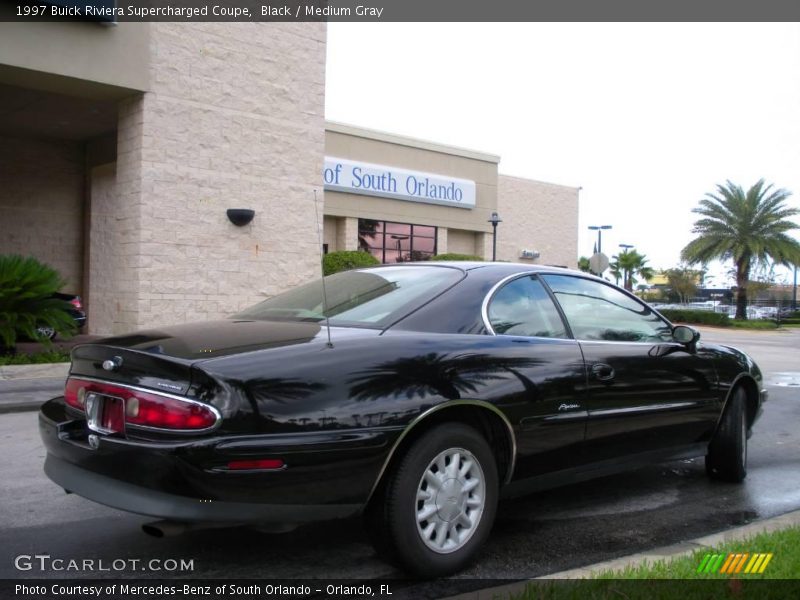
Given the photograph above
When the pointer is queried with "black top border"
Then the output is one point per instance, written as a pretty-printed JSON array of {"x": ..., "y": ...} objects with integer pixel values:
[{"x": 370, "y": 11}]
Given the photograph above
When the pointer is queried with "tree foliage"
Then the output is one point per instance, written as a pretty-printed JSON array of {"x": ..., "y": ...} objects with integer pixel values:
[
  {"x": 683, "y": 281},
  {"x": 26, "y": 300},
  {"x": 747, "y": 227},
  {"x": 457, "y": 256},
  {"x": 631, "y": 265}
]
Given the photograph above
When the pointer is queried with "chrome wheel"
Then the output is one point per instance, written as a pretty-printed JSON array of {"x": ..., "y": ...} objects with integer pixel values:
[
  {"x": 450, "y": 500},
  {"x": 46, "y": 332}
]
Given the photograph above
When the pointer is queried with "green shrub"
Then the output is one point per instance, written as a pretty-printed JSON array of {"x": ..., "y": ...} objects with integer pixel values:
[
  {"x": 344, "y": 260},
  {"x": 46, "y": 357},
  {"x": 26, "y": 302},
  {"x": 456, "y": 256},
  {"x": 699, "y": 317},
  {"x": 754, "y": 324}
]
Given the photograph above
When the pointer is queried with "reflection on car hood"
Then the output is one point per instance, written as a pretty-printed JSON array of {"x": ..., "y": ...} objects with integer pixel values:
[{"x": 212, "y": 339}]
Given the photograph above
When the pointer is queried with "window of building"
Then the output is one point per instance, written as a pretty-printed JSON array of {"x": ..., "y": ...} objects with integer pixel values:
[{"x": 396, "y": 242}]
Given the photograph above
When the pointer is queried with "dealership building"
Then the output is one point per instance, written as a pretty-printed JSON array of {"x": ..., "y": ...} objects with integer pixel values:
[{"x": 123, "y": 147}]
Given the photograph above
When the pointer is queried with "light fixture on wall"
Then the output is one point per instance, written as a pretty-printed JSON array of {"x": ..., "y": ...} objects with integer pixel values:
[{"x": 240, "y": 216}]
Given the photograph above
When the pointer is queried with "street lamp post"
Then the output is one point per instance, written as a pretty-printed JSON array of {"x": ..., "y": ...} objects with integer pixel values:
[
  {"x": 794, "y": 290},
  {"x": 599, "y": 230},
  {"x": 494, "y": 221}
]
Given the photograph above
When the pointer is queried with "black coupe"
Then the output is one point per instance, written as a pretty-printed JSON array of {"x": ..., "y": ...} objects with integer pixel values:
[{"x": 415, "y": 394}]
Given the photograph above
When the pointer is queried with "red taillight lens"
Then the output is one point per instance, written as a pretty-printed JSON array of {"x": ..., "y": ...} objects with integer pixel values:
[
  {"x": 76, "y": 302},
  {"x": 158, "y": 411},
  {"x": 75, "y": 393},
  {"x": 259, "y": 463},
  {"x": 144, "y": 408}
]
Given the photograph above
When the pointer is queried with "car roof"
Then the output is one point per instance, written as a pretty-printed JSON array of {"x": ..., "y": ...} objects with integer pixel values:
[{"x": 509, "y": 267}]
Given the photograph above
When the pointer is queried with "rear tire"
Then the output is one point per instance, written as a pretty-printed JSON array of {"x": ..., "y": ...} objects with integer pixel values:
[
  {"x": 727, "y": 453},
  {"x": 437, "y": 506}
]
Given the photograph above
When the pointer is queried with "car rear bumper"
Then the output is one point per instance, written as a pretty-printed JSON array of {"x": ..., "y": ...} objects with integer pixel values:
[
  {"x": 153, "y": 503},
  {"x": 327, "y": 475}
]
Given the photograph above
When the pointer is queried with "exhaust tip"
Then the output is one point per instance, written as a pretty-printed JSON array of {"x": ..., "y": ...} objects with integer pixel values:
[
  {"x": 160, "y": 529},
  {"x": 153, "y": 530}
]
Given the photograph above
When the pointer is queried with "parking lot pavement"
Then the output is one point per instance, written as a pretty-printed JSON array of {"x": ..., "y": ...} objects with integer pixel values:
[
  {"x": 26, "y": 387},
  {"x": 17, "y": 395},
  {"x": 776, "y": 351}
]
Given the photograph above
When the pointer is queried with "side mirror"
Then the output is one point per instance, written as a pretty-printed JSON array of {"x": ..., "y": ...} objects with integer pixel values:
[{"x": 685, "y": 335}]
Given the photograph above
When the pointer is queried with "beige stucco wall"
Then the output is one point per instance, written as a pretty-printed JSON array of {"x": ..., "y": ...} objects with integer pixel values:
[
  {"x": 74, "y": 57},
  {"x": 348, "y": 142},
  {"x": 113, "y": 244},
  {"x": 41, "y": 204},
  {"x": 330, "y": 232},
  {"x": 537, "y": 216},
  {"x": 234, "y": 120},
  {"x": 462, "y": 242}
]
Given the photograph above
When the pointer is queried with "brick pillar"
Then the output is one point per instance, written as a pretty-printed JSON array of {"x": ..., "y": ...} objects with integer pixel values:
[
  {"x": 348, "y": 234},
  {"x": 235, "y": 119},
  {"x": 441, "y": 240}
]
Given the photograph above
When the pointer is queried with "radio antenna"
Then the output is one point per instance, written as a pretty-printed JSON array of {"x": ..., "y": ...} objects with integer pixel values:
[{"x": 322, "y": 271}]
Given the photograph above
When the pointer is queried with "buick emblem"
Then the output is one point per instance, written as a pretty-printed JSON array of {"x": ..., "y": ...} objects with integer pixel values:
[{"x": 112, "y": 364}]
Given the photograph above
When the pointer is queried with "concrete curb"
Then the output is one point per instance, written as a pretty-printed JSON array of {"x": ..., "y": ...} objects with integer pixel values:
[
  {"x": 664, "y": 553},
  {"x": 18, "y": 407},
  {"x": 9, "y": 372}
]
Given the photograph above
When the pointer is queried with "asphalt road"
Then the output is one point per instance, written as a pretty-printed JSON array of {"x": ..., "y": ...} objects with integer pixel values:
[{"x": 540, "y": 534}]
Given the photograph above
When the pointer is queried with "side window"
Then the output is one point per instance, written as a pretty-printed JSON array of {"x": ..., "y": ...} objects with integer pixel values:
[
  {"x": 523, "y": 307},
  {"x": 596, "y": 311}
]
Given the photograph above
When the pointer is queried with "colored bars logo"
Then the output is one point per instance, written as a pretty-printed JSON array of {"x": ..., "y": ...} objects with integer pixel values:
[{"x": 736, "y": 562}]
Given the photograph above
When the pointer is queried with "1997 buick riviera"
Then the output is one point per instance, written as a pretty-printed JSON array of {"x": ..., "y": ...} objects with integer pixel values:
[{"x": 416, "y": 395}]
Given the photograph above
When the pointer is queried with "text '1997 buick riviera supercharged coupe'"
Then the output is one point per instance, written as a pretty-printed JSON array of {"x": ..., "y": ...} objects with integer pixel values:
[{"x": 415, "y": 394}]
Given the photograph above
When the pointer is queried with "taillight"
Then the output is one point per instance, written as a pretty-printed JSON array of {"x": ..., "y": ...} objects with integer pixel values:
[
  {"x": 75, "y": 393},
  {"x": 144, "y": 408},
  {"x": 76, "y": 302}
]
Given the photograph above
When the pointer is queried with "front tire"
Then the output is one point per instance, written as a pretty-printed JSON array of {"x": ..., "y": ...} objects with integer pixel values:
[
  {"x": 437, "y": 507},
  {"x": 727, "y": 453}
]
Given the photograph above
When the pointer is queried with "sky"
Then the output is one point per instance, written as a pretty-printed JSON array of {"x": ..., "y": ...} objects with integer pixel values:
[{"x": 645, "y": 118}]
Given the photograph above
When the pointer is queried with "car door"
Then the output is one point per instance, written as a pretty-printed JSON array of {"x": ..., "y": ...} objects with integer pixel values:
[
  {"x": 548, "y": 409},
  {"x": 646, "y": 392}
]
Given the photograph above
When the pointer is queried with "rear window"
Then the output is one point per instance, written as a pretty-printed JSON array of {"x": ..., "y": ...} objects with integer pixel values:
[{"x": 372, "y": 298}]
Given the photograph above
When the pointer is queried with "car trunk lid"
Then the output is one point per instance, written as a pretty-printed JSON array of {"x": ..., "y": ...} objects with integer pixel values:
[{"x": 162, "y": 359}]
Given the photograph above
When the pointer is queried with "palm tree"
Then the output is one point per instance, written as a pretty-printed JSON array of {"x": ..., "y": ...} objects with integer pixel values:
[
  {"x": 631, "y": 265},
  {"x": 748, "y": 228},
  {"x": 615, "y": 270},
  {"x": 27, "y": 287}
]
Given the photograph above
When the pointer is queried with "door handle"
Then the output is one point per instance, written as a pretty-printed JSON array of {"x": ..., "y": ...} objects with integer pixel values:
[{"x": 603, "y": 372}]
